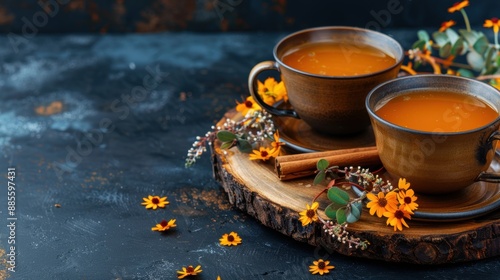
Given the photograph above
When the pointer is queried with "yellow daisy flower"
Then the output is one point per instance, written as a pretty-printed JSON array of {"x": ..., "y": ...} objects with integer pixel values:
[
  {"x": 153, "y": 202},
  {"x": 397, "y": 218},
  {"x": 381, "y": 203},
  {"x": 262, "y": 154},
  {"x": 187, "y": 271},
  {"x": 320, "y": 266},
  {"x": 309, "y": 215},
  {"x": 494, "y": 22},
  {"x": 231, "y": 239},
  {"x": 407, "y": 198},
  {"x": 458, "y": 6},
  {"x": 271, "y": 91},
  {"x": 164, "y": 225},
  {"x": 248, "y": 106},
  {"x": 447, "y": 24},
  {"x": 276, "y": 145}
]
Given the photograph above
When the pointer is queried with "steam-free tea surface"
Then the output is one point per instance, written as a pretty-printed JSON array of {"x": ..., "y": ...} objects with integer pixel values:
[
  {"x": 437, "y": 111},
  {"x": 338, "y": 59}
]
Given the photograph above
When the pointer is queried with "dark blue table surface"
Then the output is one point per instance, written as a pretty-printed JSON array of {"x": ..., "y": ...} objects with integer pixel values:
[{"x": 114, "y": 144}]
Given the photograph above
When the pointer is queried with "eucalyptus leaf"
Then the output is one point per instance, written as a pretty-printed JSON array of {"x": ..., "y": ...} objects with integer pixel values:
[
  {"x": 341, "y": 216},
  {"x": 489, "y": 60},
  {"x": 350, "y": 218},
  {"x": 359, "y": 206},
  {"x": 481, "y": 45},
  {"x": 469, "y": 36},
  {"x": 465, "y": 73},
  {"x": 457, "y": 47},
  {"x": 452, "y": 35},
  {"x": 498, "y": 60},
  {"x": 226, "y": 145},
  {"x": 337, "y": 195},
  {"x": 420, "y": 44},
  {"x": 322, "y": 164},
  {"x": 244, "y": 146},
  {"x": 423, "y": 35},
  {"x": 320, "y": 177},
  {"x": 355, "y": 210},
  {"x": 225, "y": 136},
  {"x": 331, "y": 212},
  {"x": 440, "y": 38},
  {"x": 475, "y": 60},
  {"x": 445, "y": 50}
]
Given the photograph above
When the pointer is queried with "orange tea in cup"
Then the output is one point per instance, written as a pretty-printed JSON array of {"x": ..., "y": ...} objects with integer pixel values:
[
  {"x": 338, "y": 59},
  {"x": 437, "y": 111}
]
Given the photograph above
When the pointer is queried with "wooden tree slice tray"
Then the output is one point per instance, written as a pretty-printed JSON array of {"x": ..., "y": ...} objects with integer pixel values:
[{"x": 254, "y": 187}]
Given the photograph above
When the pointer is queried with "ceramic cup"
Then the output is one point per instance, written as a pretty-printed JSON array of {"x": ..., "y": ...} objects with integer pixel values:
[
  {"x": 329, "y": 104},
  {"x": 435, "y": 163}
]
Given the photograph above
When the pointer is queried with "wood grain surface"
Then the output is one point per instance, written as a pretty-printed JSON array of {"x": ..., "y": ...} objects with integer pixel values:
[{"x": 254, "y": 187}]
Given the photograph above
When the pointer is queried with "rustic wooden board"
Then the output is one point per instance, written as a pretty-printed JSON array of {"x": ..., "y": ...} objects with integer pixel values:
[{"x": 254, "y": 187}]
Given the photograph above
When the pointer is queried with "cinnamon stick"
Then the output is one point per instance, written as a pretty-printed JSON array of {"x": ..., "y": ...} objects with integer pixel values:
[{"x": 300, "y": 165}]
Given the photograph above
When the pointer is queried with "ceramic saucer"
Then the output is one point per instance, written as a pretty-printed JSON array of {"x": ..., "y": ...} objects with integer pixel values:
[
  {"x": 300, "y": 137},
  {"x": 476, "y": 200}
]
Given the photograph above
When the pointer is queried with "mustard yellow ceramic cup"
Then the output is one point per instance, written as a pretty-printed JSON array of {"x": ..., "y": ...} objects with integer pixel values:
[{"x": 436, "y": 162}]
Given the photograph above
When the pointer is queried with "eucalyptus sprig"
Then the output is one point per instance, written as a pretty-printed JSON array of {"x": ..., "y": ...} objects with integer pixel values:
[
  {"x": 481, "y": 58},
  {"x": 343, "y": 208}
]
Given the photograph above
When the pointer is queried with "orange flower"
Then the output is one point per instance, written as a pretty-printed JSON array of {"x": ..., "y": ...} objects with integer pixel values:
[
  {"x": 309, "y": 215},
  {"x": 276, "y": 145},
  {"x": 407, "y": 199},
  {"x": 153, "y": 202},
  {"x": 447, "y": 24},
  {"x": 271, "y": 91},
  {"x": 248, "y": 106},
  {"x": 458, "y": 6},
  {"x": 164, "y": 225},
  {"x": 494, "y": 22},
  {"x": 397, "y": 217},
  {"x": 262, "y": 154},
  {"x": 382, "y": 203},
  {"x": 320, "y": 266},
  {"x": 188, "y": 271}
]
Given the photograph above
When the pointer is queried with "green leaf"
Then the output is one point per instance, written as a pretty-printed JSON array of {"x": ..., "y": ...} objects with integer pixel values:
[
  {"x": 489, "y": 61},
  {"x": 339, "y": 196},
  {"x": 331, "y": 210},
  {"x": 320, "y": 177},
  {"x": 498, "y": 60},
  {"x": 225, "y": 136},
  {"x": 440, "y": 38},
  {"x": 445, "y": 50},
  {"x": 452, "y": 35},
  {"x": 475, "y": 60},
  {"x": 458, "y": 47},
  {"x": 350, "y": 218},
  {"x": 359, "y": 206},
  {"x": 466, "y": 73},
  {"x": 469, "y": 36},
  {"x": 423, "y": 35},
  {"x": 322, "y": 164},
  {"x": 341, "y": 216},
  {"x": 420, "y": 44},
  {"x": 244, "y": 146},
  {"x": 226, "y": 145},
  {"x": 481, "y": 45}
]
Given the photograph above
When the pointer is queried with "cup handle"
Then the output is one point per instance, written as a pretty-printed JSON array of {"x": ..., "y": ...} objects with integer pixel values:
[
  {"x": 491, "y": 177},
  {"x": 256, "y": 70}
]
